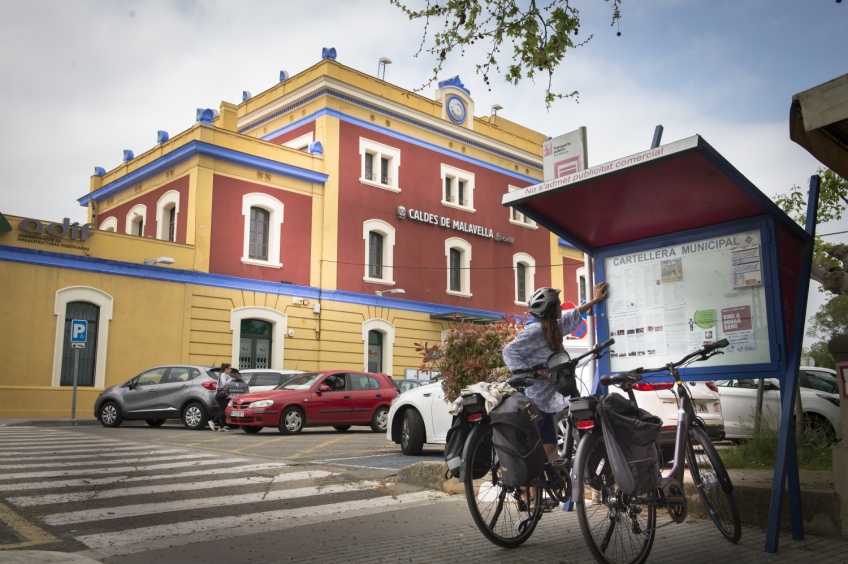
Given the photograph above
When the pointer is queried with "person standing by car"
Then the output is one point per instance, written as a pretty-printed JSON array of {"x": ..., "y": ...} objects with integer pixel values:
[
  {"x": 222, "y": 397},
  {"x": 536, "y": 342},
  {"x": 236, "y": 386}
]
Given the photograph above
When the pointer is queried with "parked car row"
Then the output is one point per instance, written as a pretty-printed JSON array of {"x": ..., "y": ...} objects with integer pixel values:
[{"x": 284, "y": 399}]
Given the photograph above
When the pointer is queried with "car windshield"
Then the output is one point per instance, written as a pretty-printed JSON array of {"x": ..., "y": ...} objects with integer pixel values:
[{"x": 301, "y": 381}]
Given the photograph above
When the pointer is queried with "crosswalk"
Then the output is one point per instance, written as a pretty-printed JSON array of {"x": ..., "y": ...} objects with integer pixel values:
[{"x": 116, "y": 498}]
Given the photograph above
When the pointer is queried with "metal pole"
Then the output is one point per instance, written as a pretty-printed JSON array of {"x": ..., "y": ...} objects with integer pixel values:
[{"x": 74, "y": 393}]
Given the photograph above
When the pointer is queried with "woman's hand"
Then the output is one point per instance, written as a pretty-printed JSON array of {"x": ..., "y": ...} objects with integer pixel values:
[{"x": 601, "y": 290}]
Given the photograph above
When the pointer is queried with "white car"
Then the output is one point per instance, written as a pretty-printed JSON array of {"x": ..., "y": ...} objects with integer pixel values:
[
  {"x": 821, "y": 408},
  {"x": 417, "y": 417},
  {"x": 264, "y": 379}
]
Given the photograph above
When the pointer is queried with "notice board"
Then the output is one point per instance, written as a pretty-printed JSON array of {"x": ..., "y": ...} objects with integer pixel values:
[{"x": 672, "y": 298}]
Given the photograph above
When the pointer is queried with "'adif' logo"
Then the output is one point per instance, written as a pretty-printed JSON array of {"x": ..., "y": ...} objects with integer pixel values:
[{"x": 64, "y": 229}]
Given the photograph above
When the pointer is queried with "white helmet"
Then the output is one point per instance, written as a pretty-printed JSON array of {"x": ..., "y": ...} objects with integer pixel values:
[{"x": 541, "y": 300}]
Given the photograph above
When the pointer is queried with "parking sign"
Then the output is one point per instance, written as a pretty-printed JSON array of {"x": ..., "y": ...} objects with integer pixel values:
[{"x": 79, "y": 329}]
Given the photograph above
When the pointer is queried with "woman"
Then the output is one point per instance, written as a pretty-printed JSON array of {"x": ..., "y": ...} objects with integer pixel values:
[
  {"x": 538, "y": 341},
  {"x": 221, "y": 396}
]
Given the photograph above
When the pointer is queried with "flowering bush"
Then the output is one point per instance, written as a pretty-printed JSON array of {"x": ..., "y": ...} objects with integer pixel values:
[{"x": 471, "y": 353}]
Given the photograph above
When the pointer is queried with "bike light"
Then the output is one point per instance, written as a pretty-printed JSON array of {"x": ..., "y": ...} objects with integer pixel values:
[
  {"x": 475, "y": 417},
  {"x": 652, "y": 386},
  {"x": 584, "y": 425}
]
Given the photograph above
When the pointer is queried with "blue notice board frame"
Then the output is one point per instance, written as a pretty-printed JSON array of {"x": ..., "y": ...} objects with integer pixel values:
[{"x": 771, "y": 367}]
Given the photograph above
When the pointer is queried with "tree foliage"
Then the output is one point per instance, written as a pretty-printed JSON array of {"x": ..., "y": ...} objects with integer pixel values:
[
  {"x": 539, "y": 34},
  {"x": 830, "y": 261},
  {"x": 470, "y": 353},
  {"x": 831, "y": 319},
  {"x": 820, "y": 354}
]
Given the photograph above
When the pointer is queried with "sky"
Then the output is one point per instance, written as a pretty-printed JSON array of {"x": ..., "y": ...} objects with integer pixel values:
[{"x": 84, "y": 80}]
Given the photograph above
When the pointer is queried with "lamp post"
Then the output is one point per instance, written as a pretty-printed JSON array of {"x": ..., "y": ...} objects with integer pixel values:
[
  {"x": 159, "y": 260},
  {"x": 392, "y": 291}
]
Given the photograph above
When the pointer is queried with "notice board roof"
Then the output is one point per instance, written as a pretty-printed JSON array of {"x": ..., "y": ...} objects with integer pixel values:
[{"x": 676, "y": 187}]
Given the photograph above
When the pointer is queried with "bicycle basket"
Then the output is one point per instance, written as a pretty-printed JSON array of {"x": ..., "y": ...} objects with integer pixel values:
[{"x": 561, "y": 374}]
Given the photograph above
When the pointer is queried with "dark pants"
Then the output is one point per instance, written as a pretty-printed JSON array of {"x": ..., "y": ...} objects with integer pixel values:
[{"x": 221, "y": 418}]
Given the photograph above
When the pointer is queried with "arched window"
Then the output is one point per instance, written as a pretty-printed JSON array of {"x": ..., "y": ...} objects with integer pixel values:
[
  {"x": 136, "y": 219},
  {"x": 378, "y": 336},
  {"x": 167, "y": 209},
  {"x": 525, "y": 276},
  {"x": 94, "y": 306},
  {"x": 263, "y": 220},
  {"x": 273, "y": 331},
  {"x": 379, "y": 239},
  {"x": 109, "y": 224},
  {"x": 255, "y": 344},
  {"x": 458, "y": 255}
]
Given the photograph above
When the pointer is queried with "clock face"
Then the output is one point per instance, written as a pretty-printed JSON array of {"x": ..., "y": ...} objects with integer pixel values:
[{"x": 456, "y": 109}]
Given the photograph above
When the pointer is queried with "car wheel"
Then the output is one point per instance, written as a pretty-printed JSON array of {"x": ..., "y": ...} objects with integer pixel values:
[
  {"x": 412, "y": 433},
  {"x": 110, "y": 414},
  {"x": 155, "y": 422},
  {"x": 291, "y": 423},
  {"x": 380, "y": 420},
  {"x": 195, "y": 416},
  {"x": 250, "y": 430},
  {"x": 341, "y": 428}
]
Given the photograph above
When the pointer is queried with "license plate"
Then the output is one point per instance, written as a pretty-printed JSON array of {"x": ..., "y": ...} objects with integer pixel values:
[
  {"x": 699, "y": 407},
  {"x": 237, "y": 413}
]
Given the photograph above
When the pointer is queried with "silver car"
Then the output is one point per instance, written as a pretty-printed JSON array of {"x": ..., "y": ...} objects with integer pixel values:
[
  {"x": 180, "y": 391},
  {"x": 264, "y": 379}
]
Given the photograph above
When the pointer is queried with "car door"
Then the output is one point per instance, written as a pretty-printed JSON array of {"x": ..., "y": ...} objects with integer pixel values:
[
  {"x": 439, "y": 414},
  {"x": 366, "y": 394},
  {"x": 139, "y": 397},
  {"x": 332, "y": 406},
  {"x": 739, "y": 401},
  {"x": 173, "y": 390}
]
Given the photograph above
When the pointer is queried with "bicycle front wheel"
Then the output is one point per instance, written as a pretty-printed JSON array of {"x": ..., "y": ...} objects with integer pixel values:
[
  {"x": 503, "y": 514},
  {"x": 619, "y": 529},
  {"x": 713, "y": 483}
]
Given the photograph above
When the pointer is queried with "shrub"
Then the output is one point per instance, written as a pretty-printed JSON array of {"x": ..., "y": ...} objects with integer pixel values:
[{"x": 471, "y": 353}]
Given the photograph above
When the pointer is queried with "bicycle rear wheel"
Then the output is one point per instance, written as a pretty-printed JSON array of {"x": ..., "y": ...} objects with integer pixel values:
[
  {"x": 713, "y": 483},
  {"x": 502, "y": 513},
  {"x": 619, "y": 529}
]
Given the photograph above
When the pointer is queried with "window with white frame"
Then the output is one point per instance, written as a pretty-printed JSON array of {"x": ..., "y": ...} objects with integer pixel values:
[
  {"x": 519, "y": 218},
  {"x": 109, "y": 224},
  {"x": 582, "y": 289},
  {"x": 263, "y": 220},
  {"x": 379, "y": 239},
  {"x": 136, "y": 220},
  {"x": 458, "y": 255},
  {"x": 300, "y": 143},
  {"x": 380, "y": 165},
  {"x": 525, "y": 275},
  {"x": 167, "y": 209},
  {"x": 457, "y": 188},
  {"x": 378, "y": 337}
]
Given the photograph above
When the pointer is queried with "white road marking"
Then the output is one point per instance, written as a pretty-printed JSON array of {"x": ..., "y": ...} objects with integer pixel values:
[
  {"x": 73, "y": 462},
  {"x": 117, "y": 469}
]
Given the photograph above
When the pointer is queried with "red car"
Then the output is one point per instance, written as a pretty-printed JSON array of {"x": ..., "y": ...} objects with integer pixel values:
[{"x": 339, "y": 398}]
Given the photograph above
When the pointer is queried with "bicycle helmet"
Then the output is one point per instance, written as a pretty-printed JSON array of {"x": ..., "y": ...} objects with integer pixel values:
[{"x": 541, "y": 300}]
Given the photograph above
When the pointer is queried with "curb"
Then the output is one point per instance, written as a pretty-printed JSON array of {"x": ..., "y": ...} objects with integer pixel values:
[{"x": 819, "y": 508}]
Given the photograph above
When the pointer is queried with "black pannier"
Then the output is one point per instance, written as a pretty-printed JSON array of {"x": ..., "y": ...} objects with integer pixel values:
[
  {"x": 561, "y": 374},
  {"x": 516, "y": 440},
  {"x": 457, "y": 435},
  {"x": 631, "y": 435}
]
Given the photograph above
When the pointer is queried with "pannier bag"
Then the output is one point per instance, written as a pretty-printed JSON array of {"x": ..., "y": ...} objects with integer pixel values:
[
  {"x": 517, "y": 441},
  {"x": 455, "y": 442},
  {"x": 631, "y": 435}
]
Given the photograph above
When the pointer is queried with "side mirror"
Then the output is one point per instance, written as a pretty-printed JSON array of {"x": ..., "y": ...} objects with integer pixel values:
[{"x": 323, "y": 388}]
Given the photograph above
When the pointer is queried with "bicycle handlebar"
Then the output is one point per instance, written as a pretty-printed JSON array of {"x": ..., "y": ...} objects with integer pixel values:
[{"x": 637, "y": 374}]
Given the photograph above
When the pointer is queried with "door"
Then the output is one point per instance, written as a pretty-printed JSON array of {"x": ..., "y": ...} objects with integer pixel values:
[
  {"x": 173, "y": 390},
  {"x": 366, "y": 395},
  {"x": 140, "y": 395},
  {"x": 255, "y": 344},
  {"x": 331, "y": 407},
  {"x": 87, "y": 356}
]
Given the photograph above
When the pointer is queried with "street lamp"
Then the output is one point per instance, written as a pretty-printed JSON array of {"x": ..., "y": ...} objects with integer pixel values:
[
  {"x": 392, "y": 291},
  {"x": 159, "y": 260}
]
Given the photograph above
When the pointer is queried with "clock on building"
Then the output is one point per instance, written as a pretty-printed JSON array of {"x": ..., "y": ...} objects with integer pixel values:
[{"x": 456, "y": 109}]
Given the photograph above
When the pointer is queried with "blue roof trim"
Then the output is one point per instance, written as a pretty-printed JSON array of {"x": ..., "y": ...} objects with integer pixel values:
[
  {"x": 393, "y": 115},
  {"x": 120, "y": 268},
  {"x": 201, "y": 148}
]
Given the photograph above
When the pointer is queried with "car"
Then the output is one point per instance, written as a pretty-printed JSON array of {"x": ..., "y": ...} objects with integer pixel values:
[
  {"x": 660, "y": 399},
  {"x": 178, "y": 391},
  {"x": 262, "y": 379},
  {"x": 409, "y": 383},
  {"x": 338, "y": 398},
  {"x": 821, "y": 406},
  {"x": 417, "y": 417}
]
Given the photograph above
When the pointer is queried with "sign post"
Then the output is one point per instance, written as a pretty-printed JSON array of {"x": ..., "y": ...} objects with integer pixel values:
[{"x": 79, "y": 332}]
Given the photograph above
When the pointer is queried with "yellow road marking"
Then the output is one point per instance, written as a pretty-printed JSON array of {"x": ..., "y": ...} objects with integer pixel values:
[
  {"x": 33, "y": 535},
  {"x": 321, "y": 446}
]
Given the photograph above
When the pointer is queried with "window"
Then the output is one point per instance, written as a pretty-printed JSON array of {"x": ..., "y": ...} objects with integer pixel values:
[
  {"x": 378, "y": 338},
  {"x": 517, "y": 217},
  {"x": 380, "y": 165},
  {"x": 582, "y": 290},
  {"x": 263, "y": 220},
  {"x": 300, "y": 143},
  {"x": 458, "y": 254},
  {"x": 525, "y": 274},
  {"x": 109, "y": 224},
  {"x": 255, "y": 344},
  {"x": 87, "y": 356},
  {"x": 166, "y": 215},
  {"x": 259, "y": 224},
  {"x": 457, "y": 188},
  {"x": 135, "y": 220},
  {"x": 379, "y": 239},
  {"x": 67, "y": 299}
]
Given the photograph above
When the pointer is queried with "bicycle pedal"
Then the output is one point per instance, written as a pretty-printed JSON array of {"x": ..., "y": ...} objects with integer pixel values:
[{"x": 559, "y": 464}]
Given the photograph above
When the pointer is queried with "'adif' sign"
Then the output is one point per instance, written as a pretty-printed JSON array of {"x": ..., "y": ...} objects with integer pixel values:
[{"x": 60, "y": 230}]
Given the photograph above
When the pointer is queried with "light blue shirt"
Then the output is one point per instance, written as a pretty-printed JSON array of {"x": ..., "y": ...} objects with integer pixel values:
[{"x": 530, "y": 349}]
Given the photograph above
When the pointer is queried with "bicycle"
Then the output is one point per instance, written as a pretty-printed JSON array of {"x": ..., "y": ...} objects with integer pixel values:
[
  {"x": 507, "y": 516},
  {"x": 620, "y": 528}
]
